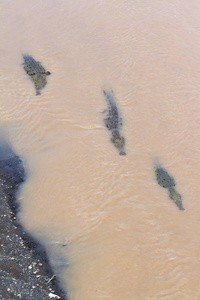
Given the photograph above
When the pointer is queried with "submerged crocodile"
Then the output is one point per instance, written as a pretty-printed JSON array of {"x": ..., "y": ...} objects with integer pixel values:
[
  {"x": 168, "y": 182},
  {"x": 113, "y": 122},
  {"x": 36, "y": 71}
]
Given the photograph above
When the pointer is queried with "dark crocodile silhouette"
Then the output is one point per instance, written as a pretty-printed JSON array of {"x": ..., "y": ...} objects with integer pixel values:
[
  {"x": 113, "y": 122},
  {"x": 36, "y": 71},
  {"x": 166, "y": 181}
]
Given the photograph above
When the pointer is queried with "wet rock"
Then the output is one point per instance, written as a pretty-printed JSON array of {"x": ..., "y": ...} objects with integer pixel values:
[
  {"x": 113, "y": 122},
  {"x": 24, "y": 269},
  {"x": 36, "y": 71},
  {"x": 167, "y": 181}
]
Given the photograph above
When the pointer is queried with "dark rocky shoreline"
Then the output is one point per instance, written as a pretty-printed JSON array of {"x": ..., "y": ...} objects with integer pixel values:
[{"x": 24, "y": 268}]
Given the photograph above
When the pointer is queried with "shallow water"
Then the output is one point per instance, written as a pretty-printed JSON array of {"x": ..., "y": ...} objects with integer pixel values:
[{"x": 110, "y": 230}]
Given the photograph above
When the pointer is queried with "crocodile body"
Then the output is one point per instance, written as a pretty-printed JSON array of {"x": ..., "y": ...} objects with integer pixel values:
[
  {"x": 113, "y": 122},
  {"x": 36, "y": 71},
  {"x": 168, "y": 182},
  {"x": 164, "y": 179}
]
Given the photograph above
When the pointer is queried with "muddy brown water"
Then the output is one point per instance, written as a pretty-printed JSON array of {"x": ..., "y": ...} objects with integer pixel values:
[{"x": 111, "y": 232}]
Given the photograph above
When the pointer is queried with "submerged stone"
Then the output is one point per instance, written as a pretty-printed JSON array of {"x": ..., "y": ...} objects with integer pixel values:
[
  {"x": 36, "y": 71},
  {"x": 113, "y": 122}
]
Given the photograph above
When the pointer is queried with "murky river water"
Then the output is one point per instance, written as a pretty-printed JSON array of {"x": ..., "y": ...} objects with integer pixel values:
[{"x": 110, "y": 230}]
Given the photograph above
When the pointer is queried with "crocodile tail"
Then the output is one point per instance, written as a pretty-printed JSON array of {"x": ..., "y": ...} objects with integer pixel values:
[
  {"x": 122, "y": 153},
  {"x": 38, "y": 92}
]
